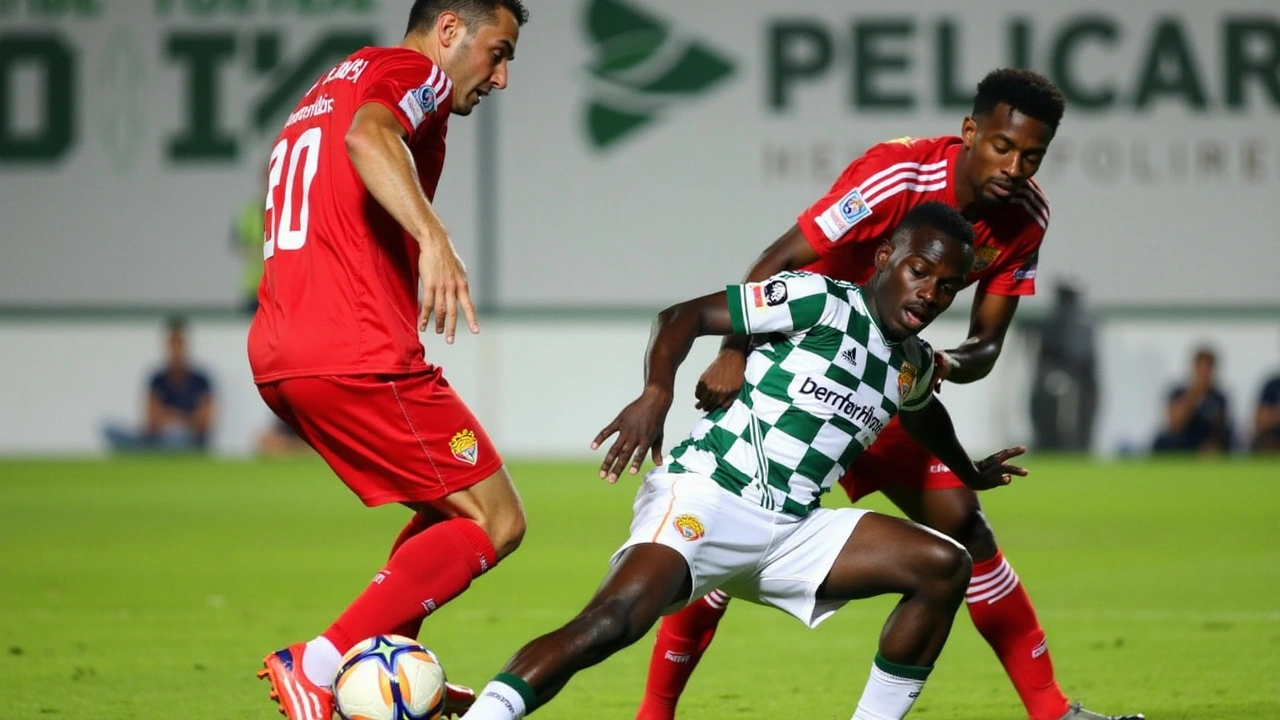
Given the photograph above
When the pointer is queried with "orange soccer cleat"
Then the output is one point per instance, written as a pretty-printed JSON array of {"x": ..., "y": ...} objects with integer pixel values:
[{"x": 299, "y": 698}]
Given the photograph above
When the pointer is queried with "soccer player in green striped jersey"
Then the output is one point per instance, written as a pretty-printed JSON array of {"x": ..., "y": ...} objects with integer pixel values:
[{"x": 736, "y": 505}]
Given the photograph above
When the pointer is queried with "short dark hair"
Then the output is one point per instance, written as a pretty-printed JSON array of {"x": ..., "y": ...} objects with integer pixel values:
[
  {"x": 1026, "y": 91},
  {"x": 940, "y": 217},
  {"x": 175, "y": 324},
  {"x": 473, "y": 12}
]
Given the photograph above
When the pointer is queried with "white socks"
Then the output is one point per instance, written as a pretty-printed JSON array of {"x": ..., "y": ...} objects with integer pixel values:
[
  {"x": 891, "y": 690},
  {"x": 320, "y": 662},
  {"x": 501, "y": 700}
]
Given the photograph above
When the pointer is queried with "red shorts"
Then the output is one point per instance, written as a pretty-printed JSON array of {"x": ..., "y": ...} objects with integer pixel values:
[
  {"x": 391, "y": 438},
  {"x": 896, "y": 459}
]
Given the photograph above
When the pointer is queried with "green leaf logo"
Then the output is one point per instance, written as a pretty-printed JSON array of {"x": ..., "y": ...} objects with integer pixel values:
[{"x": 640, "y": 70}]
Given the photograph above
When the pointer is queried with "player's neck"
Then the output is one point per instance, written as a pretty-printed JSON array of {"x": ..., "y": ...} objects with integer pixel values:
[
  {"x": 422, "y": 44},
  {"x": 966, "y": 201},
  {"x": 873, "y": 311}
]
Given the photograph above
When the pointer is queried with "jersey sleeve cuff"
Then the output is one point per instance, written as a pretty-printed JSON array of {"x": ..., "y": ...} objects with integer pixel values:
[{"x": 736, "y": 297}]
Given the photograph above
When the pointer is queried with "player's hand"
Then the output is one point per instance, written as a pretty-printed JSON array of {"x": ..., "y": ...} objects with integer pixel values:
[
  {"x": 444, "y": 290},
  {"x": 995, "y": 470},
  {"x": 639, "y": 429},
  {"x": 721, "y": 381}
]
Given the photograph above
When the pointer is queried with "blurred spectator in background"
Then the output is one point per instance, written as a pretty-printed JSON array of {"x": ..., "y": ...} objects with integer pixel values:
[
  {"x": 1064, "y": 396},
  {"x": 179, "y": 406},
  {"x": 1266, "y": 418},
  {"x": 246, "y": 239},
  {"x": 1197, "y": 416}
]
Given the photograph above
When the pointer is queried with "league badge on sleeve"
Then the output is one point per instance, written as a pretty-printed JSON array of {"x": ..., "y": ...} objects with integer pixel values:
[
  {"x": 836, "y": 220},
  {"x": 426, "y": 97},
  {"x": 1028, "y": 269},
  {"x": 770, "y": 294},
  {"x": 418, "y": 103},
  {"x": 465, "y": 447},
  {"x": 775, "y": 293}
]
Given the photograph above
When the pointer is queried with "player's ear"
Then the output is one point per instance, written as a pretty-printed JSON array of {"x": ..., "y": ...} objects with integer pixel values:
[
  {"x": 968, "y": 131},
  {"x": 449, "y": 28},
  {"x": 883, "y": 253}
]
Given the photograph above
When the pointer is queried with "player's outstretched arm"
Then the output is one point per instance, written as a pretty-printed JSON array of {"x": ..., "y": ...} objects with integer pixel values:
[
  {"x": 376, "y": 145},
  {"x": 989, "y": 322},
  {"x": 721, "y": 381},
  {"x": 931, "y": 426},
  {"x": 639, "y": 425}
]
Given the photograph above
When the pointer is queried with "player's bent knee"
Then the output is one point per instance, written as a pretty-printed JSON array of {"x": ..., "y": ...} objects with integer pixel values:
[
  {"x": 506, "y": 532},
  {"x": 948, "y": 567}
]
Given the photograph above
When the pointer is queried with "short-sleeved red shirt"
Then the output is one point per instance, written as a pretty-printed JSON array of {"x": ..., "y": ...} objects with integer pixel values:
[
  {"x": 339, "y": 292},
  {"x": 871, "y": 196}
]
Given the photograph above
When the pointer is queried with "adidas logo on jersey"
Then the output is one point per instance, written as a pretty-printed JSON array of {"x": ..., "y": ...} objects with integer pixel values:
[{"x": 850, "y": 356}]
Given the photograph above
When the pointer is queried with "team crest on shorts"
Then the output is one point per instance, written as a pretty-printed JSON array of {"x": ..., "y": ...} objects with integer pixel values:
[
  {"x": 906, "y": 380},
  {"x": 983, "y": 256},
  {"x": 465, "y": 447},
  {"x": 689, "y": 527}
]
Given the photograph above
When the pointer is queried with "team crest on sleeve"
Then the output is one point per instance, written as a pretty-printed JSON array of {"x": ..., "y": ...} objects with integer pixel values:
[
  {"x": 906, "y": 380},
  {"x": 836, "y": 220},
  {"x": 465, "y": 447},
  {"x": 689, "y": 527},
  {"x": 984, "y": 256}
]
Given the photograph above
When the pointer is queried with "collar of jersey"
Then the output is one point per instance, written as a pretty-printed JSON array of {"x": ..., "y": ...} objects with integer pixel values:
[{"x": 875, "y": 323}]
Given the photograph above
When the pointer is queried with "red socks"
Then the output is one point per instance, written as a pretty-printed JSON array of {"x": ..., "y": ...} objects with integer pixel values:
[
  {"x": 1003, "y": 614},
  {"x": 682, "y": 638},
  {"x": 429, "y": 566}
]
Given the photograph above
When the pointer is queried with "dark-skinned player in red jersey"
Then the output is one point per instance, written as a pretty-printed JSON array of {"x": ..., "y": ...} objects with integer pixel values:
[
  {"x": 985, "y": 172},
  {"x": 351, "y": 236}
]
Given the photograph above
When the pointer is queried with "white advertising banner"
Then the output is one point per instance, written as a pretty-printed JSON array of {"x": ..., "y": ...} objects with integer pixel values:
[
  {"x": 134, "y": 132},
  {"x": 646, "y": 150},
  {"x": 652, "y": 148}
]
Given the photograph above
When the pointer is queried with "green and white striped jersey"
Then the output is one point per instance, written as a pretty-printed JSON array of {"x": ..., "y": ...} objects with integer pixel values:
[{"x": 817, "y": 392}]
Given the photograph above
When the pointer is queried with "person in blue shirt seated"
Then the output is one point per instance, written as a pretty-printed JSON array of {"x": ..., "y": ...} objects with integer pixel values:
[
  {"x": 1198, "y": 416},
  {"x": 179, "y": 408},
  {"x": 1266, "y": 418}
]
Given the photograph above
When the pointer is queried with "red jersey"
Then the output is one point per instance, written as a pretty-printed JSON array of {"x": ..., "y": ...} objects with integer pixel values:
[
  {"x": 871, "y": 196},
  {"x": 339, "y": 291}
]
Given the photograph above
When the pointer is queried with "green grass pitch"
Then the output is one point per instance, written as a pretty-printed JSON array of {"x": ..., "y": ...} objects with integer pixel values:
[{"x": 151, "y": 588}]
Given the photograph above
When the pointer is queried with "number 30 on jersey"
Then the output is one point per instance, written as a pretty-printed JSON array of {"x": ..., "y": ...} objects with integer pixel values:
[{"x": 287, "y": 228}]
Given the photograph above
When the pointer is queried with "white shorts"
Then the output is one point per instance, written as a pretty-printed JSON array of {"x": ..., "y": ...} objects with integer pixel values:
[{"x": 763, "y": 556}]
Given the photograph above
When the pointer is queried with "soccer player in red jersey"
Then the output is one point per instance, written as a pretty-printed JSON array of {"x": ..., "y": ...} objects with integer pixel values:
[
  {"x": 351, "y": 234},
  {"x": 986, "y": 173}
]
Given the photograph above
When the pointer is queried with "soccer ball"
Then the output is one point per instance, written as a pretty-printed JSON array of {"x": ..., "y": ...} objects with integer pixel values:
[{"x": 389, "y": 677}]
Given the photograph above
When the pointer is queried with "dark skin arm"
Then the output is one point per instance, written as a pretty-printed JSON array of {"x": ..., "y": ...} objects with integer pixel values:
[
  {"x": 931, "y": 426},
  {"x": 989, "y": 322},
  {"x": 639, "y": 425},
  {"x": 969, "y": 362},
  {"x": 720, "y": 382}
]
